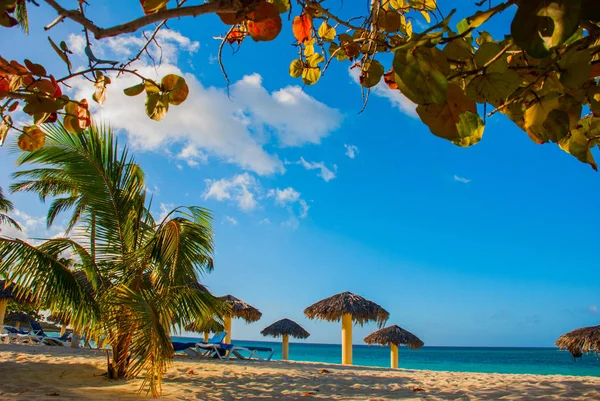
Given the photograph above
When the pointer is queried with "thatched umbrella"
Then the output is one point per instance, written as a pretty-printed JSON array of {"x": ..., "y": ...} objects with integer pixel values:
[
  {"x": 347, "y": 307},
  {"x": 239, "y": 309},
  {"x": 285, "y": 328},
  {"x": 60, "y": 319},
  {"x": 18, "y": 318},
  {"x": 579, "y": 341},
  {"x": 206, "y": 327},
  {"x": 394, "y": 336}
]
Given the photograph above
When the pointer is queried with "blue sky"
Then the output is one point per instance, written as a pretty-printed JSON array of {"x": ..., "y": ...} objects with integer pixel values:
[{"x": 491, "y": 245}]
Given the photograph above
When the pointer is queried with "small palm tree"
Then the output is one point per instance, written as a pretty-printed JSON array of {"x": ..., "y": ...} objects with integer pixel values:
[
  {"x": 7, "y": 206},
  {"x": 135, "y": 278}
]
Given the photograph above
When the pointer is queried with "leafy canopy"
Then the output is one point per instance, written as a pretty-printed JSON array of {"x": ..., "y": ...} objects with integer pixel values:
[{"x": 543, "y": 74}]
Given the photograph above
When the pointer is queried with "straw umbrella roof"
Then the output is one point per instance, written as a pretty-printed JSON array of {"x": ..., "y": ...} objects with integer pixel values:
[
  {"x": 577, "y": 341},
  {"x": 362, "y": 310},
  {"x": 196, "y": 285},
  {"x": 18, "y": 317},
  {"x": 394, "y": 335},
  {"x": 241, "y": 309},
  {"x": 205, "y": 326},
  {"x": 285, "y": 326}
]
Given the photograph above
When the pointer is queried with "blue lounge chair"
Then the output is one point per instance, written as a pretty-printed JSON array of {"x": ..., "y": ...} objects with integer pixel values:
[{"x": 37, "y": 335}]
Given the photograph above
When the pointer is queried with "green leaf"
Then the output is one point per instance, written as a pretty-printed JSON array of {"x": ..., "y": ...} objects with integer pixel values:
[
  {"x": 459, "y": 49},
  {"x": 493, "y": 88},
  {"x": 311, "y": 75},
  {"x": 541, "y": 25},
  {"x": 152, "y": 6},
  {"x": 326, "y": 32},
  {"x": 371, "y": 73},
  {"x": 575, "y": 67},
  {"x": 283, "y": 6},
  {"x": 476, "y": 20},
  {"x": 470, "y": 129},
  {"x": 578, "y": 142},
  {"x": 60, "y": 53},
  {"x": 296, "y": 68},
  {"x": 456, "y": 119},
  {"x": 134, "y": 90},
  {"x": 340, "y": 55},
  {"x": 487, "y": 52},
  {"x": 422, "y": 73}
]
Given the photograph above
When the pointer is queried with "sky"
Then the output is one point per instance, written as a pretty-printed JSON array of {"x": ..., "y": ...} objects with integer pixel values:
[{"x": 492, "y": 245}]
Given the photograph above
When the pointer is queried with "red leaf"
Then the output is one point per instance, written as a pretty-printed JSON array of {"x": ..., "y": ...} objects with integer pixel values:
[
  {"x": 264, "y": 23},
  {"x": 57, "y": 90},
  {"x": 390, "y": 80},
  {"x": 302, "y": 27},
  {"x": 235, "y": 36}
]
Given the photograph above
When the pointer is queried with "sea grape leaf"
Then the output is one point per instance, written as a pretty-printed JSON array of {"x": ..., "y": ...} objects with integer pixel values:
[
  {"x": 134, "y": 90},
  {"x": 578, "y": 142},
  {"x": 575, "y": 67},
  {"x": 5, "y": 125},
  {"x": 447, "y": 121},
  {"x": 264, "y": 23},
  {"x": 175, "y": 88},
  {"x": 541, "y": 25},
  {"x": 493, "y": 88},
  {"x": 552, "y": 117},
  {"x": 474, "y": 21},
  {"x": 459, "y": 49},
  {"x": 157, "y": 105},
  {"x": 315, "y": 59},
  {"x": 296, "y": 68},
  {"x": 152, "y": 6},
  {"x": 326, "y": 32},
  {"x": 371, "y": 73},
  {"x": 311, "y": 75},
  {"x": 100, "y": 88},
  {"x": 421, "y": 71},
  {"x": 31, "y": 139},
  {"x": 36, "y": 69},
  {"x": 487, "y": 51},
  {"x": 77, "y": 117},
  {"x": 302, "y": 27},
  {"x": 61, "y": 54},
  {"x": 283, "y": 6}
]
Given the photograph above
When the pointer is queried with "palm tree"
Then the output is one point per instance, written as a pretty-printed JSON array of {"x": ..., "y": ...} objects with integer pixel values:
[
  {"x": 135, "y": 277},
  {"x": 7, "y": 206}
]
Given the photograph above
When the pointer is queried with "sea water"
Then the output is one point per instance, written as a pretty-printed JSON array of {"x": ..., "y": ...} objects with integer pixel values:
[{"x": 545, "y": 361}]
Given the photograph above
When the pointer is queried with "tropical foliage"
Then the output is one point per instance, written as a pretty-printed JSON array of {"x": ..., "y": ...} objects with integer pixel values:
[
  {"x": 543, "y": 75},
  {"x": 134, "y": 279}
]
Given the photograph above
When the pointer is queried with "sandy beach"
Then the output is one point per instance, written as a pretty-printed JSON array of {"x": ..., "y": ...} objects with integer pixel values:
[{"x": 34, "y": 373}]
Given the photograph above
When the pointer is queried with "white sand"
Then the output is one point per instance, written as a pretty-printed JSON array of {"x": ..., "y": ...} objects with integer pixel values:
[{"x": 36, "y": 372}]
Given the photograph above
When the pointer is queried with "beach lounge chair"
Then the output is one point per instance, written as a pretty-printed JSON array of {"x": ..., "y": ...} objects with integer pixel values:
[
  {"x": 251, "y": 353},
  {"x": 37, "y": 335},
  {"x": 213, "y": 348}
]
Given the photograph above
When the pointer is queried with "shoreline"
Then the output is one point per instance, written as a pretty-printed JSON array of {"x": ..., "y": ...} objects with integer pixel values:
[{"x": 42, "y": 372}]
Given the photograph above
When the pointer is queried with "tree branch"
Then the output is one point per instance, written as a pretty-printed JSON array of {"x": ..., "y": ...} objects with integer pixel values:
[{"x": 221, "y": 6}]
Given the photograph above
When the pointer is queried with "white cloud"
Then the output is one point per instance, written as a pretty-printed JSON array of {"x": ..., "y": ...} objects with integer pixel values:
[
  {"x": 461, "y": 179},
  {"x": 290, "y": 198},
  {"x": 165, "y": 208},
  {"x": 292, "y": 223},
  {"x": 33, "y": 228},
  {"x": 241, "y": 189},
  {"x": 324, "y": 172},
  {"x": 284, "y": 196},
  {"x": 209, "y": 122},
  {"x": 593, "y": 309},
  {"x": 231, "y": 220},
  {"x": 351, "y": 150},
  {"x": 394, "y": 96},
  {"x": 265, "y": 221}
]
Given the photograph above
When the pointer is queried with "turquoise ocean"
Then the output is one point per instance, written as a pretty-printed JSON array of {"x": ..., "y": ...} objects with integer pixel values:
[{"x": 546, "y": 361}]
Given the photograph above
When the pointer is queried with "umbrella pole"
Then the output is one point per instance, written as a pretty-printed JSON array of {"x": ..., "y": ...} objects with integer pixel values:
[
  {"x": 63, "y": 330},
  {"x": 3, "y": 305},
  {"x": 394, "y": 356},
  {"x": 17, "y": 325},
  {"x": 227, "y": 329},
  {"x": 206, "y": 336},
  {"x": 346, "y": 339},
  {"x": 285, "y": 348}
]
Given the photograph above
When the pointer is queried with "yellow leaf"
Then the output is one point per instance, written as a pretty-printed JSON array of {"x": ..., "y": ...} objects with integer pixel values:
[
  {"x": 296, "y": 68},
  {"x": 326, "y": 32}
]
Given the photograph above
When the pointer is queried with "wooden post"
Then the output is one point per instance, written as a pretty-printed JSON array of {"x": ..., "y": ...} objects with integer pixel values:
[
  {"x": 347, "y": 339},
  {"x": 394, "y": 356},
  {"x": 285, "y": 348},
  {"x": 227, "y": 329},
  {"x": 3, "y": 305}
]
